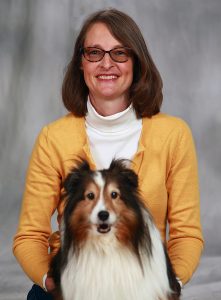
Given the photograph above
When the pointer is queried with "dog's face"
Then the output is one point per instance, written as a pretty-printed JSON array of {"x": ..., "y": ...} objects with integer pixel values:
[{"x": 102, "y": 202}]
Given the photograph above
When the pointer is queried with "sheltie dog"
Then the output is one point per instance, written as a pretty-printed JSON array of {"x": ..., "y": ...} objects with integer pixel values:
[{"x": 110, "y": 247}]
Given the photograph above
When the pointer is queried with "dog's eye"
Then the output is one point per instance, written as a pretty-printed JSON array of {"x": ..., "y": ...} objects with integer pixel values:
[
  {"x": 90, "y": 196},
  {"x": 114, "y": 195}
]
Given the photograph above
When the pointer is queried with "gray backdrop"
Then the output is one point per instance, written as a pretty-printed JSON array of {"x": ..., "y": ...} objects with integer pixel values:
[{"x": 36, "y": 36}]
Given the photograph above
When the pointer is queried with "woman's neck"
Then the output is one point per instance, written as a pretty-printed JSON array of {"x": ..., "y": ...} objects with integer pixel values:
[{"x": 108, "y": 107}]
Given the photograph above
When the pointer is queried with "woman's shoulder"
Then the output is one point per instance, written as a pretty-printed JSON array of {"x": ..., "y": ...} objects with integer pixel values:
[
  {"x": 169, "y": 120},
  {"x": 64, "y": 127},
  {"x": 163, "y": 122},
  {"x": 66, "y": 123},
  {"x": 163, "y": 127}
]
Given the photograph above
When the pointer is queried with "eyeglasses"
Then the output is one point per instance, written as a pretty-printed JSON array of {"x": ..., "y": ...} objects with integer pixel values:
[{"x": 119, "y": 55}]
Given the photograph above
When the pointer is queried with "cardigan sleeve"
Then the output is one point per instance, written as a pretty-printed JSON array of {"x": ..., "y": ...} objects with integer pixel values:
[
  {"x": 41, "y": 196},
  {"x": 185, "y": 235}
]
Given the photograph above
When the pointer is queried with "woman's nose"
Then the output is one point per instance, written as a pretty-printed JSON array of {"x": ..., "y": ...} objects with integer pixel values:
[{"x": 106, "y": 61}]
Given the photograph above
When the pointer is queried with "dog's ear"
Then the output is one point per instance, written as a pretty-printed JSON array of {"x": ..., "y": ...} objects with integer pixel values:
[
  {"x": 120, "y": 167},
  {"x": 75, "y": 176},
  {"x": 131, "y": 177}
]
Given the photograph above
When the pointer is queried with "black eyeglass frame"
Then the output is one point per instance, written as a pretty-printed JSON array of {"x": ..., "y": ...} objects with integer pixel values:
[{"x": 82, "y": 51}]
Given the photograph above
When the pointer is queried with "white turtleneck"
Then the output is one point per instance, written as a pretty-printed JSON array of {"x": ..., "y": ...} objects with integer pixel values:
[{"x": 114, "y": 136}]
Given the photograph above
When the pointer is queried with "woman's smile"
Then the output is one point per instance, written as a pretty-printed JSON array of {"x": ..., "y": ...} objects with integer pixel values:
[{"x": 107, "y": 77}]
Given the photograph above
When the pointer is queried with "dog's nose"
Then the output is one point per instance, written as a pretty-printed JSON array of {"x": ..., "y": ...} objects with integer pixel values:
[{"x": 103, "y": 215}]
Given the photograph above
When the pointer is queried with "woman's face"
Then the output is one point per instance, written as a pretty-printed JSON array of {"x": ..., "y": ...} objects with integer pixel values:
[{"x": 106, "y": 79}]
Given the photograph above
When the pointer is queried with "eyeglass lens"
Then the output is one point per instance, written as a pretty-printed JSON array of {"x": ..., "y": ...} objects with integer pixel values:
[{"x": 93, "y": 54}]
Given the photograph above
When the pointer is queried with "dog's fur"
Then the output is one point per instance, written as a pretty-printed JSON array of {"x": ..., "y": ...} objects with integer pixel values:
[{"x": 110, "y": 247}]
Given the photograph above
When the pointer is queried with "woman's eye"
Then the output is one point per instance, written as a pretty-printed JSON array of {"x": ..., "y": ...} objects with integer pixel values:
[
  {"x": 95, "y": 52},
  {"x": 120, "y": 53},
  {"x": 90, "y": 196},
  {"x": 114, "y": 195}
]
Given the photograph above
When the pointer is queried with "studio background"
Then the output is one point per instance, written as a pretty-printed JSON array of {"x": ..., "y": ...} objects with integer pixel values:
[{"x": 36, "y": 43}]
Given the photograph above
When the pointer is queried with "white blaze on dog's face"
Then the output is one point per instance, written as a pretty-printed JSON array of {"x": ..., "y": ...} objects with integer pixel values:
[{"x": 103, "y": 215}]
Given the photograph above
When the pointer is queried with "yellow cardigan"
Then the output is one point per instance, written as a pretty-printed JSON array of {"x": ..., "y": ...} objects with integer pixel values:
[{"x": 167, "y": 168}]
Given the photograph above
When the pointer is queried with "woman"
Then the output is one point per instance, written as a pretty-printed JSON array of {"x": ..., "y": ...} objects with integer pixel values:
[{"x": 114, "y": 93}]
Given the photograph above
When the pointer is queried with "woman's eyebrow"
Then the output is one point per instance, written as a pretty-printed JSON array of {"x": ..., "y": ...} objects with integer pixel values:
[{"x": 99, "y": 46}]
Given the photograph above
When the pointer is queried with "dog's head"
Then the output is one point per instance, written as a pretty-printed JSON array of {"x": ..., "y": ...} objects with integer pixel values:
[{"x": 103, "y": 202}]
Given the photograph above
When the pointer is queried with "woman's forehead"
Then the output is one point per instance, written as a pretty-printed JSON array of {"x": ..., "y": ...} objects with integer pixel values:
[{"x": 99, "y": 35}]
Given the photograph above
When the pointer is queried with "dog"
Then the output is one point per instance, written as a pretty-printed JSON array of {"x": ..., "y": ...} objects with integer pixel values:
[{"x": 110, "y": 247}]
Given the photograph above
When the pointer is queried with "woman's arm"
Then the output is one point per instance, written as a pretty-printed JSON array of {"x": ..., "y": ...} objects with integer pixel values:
[
  {"x": 185, "y": 236},
  {"x": 41, "y": 196}
]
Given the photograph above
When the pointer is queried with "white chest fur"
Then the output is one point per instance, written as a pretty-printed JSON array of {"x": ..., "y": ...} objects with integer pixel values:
[{"x": 104, "y": 270}]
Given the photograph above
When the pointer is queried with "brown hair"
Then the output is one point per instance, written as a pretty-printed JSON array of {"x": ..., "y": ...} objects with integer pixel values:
[{"x": 146, "y": 89}]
